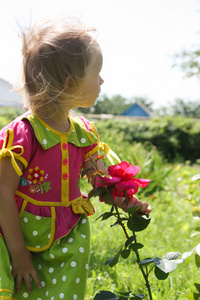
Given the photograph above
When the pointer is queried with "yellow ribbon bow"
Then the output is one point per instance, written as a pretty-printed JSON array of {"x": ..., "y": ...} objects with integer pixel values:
[
  {"x": 7, "y": 150},
  {"x": 81, "y": 206},
  {"x": 109, "y": 153},
  {"x": 104, "y": 147}
]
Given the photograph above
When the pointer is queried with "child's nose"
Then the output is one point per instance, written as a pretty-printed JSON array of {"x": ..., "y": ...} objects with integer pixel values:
[{"x": 101, "y": 81}]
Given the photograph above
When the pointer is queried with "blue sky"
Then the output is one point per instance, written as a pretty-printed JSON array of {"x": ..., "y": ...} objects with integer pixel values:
[{"x": 138, "y": 39}]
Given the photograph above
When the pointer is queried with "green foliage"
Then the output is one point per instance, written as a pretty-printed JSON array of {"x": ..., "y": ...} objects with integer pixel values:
[
  {"x": 174, "y": 138},
  {"x": 188, "y": 62},
  {"x": 114, "y": 105},
  {"x": 7, "y": 114}
]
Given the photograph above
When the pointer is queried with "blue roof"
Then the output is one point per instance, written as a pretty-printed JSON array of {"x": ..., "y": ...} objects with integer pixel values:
[{"x": 135, "y": 110}]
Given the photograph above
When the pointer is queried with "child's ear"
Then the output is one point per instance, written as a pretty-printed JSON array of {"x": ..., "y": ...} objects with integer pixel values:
[{"x": 70, "y": 85}]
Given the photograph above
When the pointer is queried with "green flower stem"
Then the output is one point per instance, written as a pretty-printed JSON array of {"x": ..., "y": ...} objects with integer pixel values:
[
  {"x": 120, "y": 222},
  {"x": 41, "y": 187},
  {"x": 144, "y": 274}
]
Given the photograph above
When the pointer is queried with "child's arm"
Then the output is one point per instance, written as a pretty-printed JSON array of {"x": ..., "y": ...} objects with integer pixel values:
[
  {"x": 120, "y": 201},
  {"x": 21, "y": 259}
]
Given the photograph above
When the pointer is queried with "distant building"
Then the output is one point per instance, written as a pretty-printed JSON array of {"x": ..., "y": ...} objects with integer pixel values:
[
  {"x": 137, "y": 110},
  {"x": 9, "y": 97}
]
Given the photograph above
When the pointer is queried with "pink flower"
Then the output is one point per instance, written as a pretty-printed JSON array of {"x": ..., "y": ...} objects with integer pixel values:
[{"x": 121, "y": 179}]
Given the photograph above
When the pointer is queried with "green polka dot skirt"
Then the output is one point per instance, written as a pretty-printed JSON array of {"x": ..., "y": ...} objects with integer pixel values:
[{"x": 62, "y": 268}]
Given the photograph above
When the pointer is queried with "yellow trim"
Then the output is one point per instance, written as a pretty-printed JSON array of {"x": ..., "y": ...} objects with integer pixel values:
[
  {"x": 6, "y": 291},
  {"x": 45, "y": 203},
  {"x": 23, "y": 208},
  {"x": 7, "y": 150},
  {"x": 33, "y": 124},
  {"x": 54, "y": 130},
  {"x": 65, "y": 170},
  {"x": 25, "y": 163},
  {"x": 79, "y": 205},
  {"x": 53, "y": 229},
  {"x": 8, "y": 297},
  {"x": 89, "y": 136},
  {"x": 94, "y": 150}
]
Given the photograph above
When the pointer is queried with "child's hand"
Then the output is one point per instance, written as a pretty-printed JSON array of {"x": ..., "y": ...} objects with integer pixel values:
[
  {"x": 23, "y": 269},
  {"x": 145, "y": 209}
]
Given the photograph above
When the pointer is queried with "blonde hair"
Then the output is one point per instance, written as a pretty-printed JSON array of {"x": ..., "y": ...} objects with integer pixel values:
[{"x": 56, "y": 56}]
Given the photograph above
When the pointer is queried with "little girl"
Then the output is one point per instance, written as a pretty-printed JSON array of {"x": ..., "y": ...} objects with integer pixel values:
[{"x": 44, "y": 242}]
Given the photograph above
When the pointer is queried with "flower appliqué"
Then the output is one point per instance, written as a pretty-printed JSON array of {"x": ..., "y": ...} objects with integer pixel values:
[
  {"x": 36, "y": 175},
  {"x": 36, "y": 181}
]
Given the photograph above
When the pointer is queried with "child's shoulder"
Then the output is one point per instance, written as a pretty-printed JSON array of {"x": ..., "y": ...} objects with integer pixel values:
[{"x": 83, "y": 121}]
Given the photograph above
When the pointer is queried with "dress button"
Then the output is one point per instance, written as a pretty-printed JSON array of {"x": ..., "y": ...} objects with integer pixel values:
[
  {"x": 65, "y": 161},
  {"x": 65, "y": 176},
  {"x": 64, "y": 146}
]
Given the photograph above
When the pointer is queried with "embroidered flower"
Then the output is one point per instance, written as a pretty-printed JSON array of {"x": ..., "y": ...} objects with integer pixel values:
[
  {"x": 23, "y": 181},
  {"x": 32, "y": 189},
  {"x": 36, "y": 175}
]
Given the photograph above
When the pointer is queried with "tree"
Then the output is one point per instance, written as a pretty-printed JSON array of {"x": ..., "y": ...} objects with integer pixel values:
[
  {"x": 189, "y": 62},
  {"x": 115, "y": 105},
  {"x": 189, "y": 109}
]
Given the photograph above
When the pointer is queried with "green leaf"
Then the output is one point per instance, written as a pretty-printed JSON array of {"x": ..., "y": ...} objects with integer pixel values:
[
  {"x": 130, "y": 240},
  {"x": 197, "y": 260},
  {"x": 118, "y": 222},
  {"x": 105, "y": 295},
  {"x": 196, "y": 212},
  {"x": 160, "y": 275},
  {"x": 197, "y": 285},
  {"x": 105, "y": 216},
  {"x": 185, "y": 255},
  {"x": 171, "y": 256},
  {"x": 125, "y": 253},
  {"x": 136, "y": 246},
  {"x": 138, "y": 222},
  {"x": 196, "y": 177},
  {"x": 146, "y": 261},
  {"x": 46, "y": 186},
  {"x": 165, "y": 265},
  {"x": 198, "y": 249},
  {"x": 98, "y": 191},
  {"x": 113, "y": 260}
]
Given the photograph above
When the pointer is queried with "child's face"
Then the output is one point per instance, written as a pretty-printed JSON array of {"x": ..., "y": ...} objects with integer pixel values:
[{"x": 91, "y": 85}]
